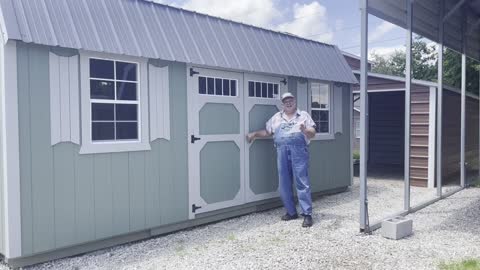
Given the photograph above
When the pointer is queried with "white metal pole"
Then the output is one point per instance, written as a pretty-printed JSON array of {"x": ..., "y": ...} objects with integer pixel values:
[
  {"x": 363, "y": 115},
  {"x": 440, "y": 101},
  {"x": 408, "y": 84},
  {"x": 463, "y": 97}
]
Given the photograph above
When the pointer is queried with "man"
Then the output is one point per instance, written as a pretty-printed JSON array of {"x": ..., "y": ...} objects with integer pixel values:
[{"x": 292, "y": 130}]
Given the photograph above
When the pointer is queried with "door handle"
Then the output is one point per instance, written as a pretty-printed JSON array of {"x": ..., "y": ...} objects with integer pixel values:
[{"x": 193, "y": 139}]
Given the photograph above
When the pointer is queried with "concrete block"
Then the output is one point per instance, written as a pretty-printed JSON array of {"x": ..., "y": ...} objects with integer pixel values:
[{"x": 397, "y": 227}]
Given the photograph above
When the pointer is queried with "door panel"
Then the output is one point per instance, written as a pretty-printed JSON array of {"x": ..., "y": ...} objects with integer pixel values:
[
  {"x": 217, "y": 140},
  {"x": 262, "y": 101}
]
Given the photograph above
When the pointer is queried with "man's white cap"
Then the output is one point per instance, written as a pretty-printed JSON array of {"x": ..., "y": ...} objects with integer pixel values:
[{"x": 287, "y": 95}]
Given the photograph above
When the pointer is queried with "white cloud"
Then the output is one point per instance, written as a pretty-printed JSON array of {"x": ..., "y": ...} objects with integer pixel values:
[
  {"x": 310, "y": 20},
  {"x": 386, "y": 51},
  {"x": 256, "y": 12},
  {"x": 381, "y": 30}
]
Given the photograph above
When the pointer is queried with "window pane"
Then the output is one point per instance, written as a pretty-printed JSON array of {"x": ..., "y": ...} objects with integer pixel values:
[
  {"x": 226, "y": 87},
  {"x": 264, "y": 90},
  {"x": 323, "y": 115},
  {"x": 103, "y": 131},
  {"x": 127, "y": 131},
  {"x": 251, "y": 89},
  {"x": 102, "y": 112},
  {"x": 270, "y": 90},
  {"x": 258, "y": 89},
  {"x": 101, "y": 69},
  {"x": 126, "y": 71},
  {"x": 315, "y": 115},
  {"x": 233, "y": 88},
  {"x": 202, "y": 85},
  {"x": 323, "y": 127},
  {"x": 126, "y": 91},
  {"x": 210, "y": 86},
  {"x": 218, "y": 87},
  {"x": 126, "y": 112},
  {"x": 320, "y": 96},
  {"x": 275, "y": 90},
  {"x": 101, "y": 90}
]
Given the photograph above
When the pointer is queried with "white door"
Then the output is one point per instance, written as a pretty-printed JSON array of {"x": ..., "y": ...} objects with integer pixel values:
[
  {"x": 262, "y": 101},
  {"x": 216, "y": 139}
]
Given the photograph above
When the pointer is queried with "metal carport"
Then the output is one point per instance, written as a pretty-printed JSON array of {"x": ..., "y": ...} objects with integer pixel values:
[{"x": 453, "y": 24}]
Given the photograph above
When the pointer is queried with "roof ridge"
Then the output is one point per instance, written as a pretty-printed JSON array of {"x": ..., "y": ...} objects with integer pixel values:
[{"x": 237, "y": 22}]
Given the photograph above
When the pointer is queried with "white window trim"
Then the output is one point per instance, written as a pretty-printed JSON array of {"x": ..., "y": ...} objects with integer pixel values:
[
  {"x": 279, "y": 94},
  {"x": 214, "y": 87},
  {"x": 329, "y": 135},
  {"x": 87, "y": 145}
]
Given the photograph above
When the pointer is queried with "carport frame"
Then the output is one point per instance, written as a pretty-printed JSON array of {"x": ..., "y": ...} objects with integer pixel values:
[{"x": 365, "y": 11}]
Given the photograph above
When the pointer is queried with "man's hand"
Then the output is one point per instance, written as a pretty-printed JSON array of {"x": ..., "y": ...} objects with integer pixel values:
[
  {"x": 250, "y": 137},
  {"x": 309, "y": 132}
]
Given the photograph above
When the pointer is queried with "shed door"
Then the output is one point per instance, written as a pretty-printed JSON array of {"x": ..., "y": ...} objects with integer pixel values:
[
  {"x": 262, "y": 101},
  {"x": 216, "y": 140}
]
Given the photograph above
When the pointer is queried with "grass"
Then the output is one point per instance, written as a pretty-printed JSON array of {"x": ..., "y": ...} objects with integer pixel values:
[
  {"x": 470, "y": 264},
  {"x": 476, "y": 183}
]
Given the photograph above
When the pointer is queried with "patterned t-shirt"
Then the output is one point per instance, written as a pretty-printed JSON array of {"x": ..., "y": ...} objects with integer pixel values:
[{"x": 279, "y": 120}]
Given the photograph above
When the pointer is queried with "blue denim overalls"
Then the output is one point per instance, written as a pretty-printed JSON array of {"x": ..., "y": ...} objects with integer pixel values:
[{"x": 292, "y": 160}]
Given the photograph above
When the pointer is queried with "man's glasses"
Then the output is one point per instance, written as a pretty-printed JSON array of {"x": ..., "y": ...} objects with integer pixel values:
[{"x": 289, "y": 102}]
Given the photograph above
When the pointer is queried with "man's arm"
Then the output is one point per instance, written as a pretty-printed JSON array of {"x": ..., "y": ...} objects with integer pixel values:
[{"x": 257, "y": 134}]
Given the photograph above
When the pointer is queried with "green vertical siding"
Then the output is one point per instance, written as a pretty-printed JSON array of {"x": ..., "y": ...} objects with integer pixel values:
[
  {"x": 67, "y": 198},
  {"x": 330, "y": 160}
]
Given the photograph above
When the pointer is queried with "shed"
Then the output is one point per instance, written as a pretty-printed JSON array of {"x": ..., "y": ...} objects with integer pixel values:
[
  {"x": 126, "y": 119},
  {"x": 386, "y": 126}
]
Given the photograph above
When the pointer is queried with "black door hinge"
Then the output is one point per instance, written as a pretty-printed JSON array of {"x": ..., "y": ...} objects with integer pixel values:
[
  {"x": 284, "y": 81},
  {"x": 193, "y": 139},
  {"x": 193, "y": 72},
  {"x": 195, "y": 208}
]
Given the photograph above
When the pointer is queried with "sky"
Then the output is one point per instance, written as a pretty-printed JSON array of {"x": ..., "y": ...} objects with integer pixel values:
[{"x": 330, "y": 21}]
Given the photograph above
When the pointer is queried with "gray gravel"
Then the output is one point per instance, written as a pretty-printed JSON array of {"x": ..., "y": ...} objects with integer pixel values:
[{"x": 447, "y": 230}]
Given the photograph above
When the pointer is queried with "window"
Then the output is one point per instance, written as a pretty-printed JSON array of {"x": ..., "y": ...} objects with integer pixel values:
[
  {"x": 114, "y": 103},
  {"x": 263, "y": 89},
  {"x": 320, "y": 106},
  {"x": 217, "y": 86},
  {"x": 114, "y": 100}
]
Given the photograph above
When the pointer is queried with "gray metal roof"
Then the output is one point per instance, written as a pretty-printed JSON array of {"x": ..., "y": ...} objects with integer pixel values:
[
  {"x": 147, "y": 29},
  {"x": 461, "y": 18}
]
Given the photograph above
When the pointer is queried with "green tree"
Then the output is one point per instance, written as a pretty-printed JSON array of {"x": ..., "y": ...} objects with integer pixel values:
[{"x": 425, "y": 61}]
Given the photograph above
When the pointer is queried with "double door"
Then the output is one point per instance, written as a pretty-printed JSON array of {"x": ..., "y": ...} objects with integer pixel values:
[{"x": 225, "y": 170}]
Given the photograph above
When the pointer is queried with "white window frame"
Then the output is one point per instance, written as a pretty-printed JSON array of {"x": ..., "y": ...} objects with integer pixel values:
[
  {"x": 279, "y": 94},
  {"x": 88, "y": 146},
  {"x": 323, "y": 136},
  {"x": 214, "y": 86}
]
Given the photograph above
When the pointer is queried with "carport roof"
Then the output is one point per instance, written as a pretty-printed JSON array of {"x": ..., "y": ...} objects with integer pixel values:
[
  {"x": 461, "y": 20},
  {"x": 147, "y": 29}
]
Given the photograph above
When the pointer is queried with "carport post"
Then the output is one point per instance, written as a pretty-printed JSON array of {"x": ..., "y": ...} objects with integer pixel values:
[
  {"x": 408, "y": 85},
  {"x": 440, "y": 100},
  {"x": 363, "y": 115},
  {"x": 463, "y": 97}
]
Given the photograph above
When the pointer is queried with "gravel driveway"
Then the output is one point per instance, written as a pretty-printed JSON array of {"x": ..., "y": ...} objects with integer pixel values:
[{"x": 447, "y": 230}]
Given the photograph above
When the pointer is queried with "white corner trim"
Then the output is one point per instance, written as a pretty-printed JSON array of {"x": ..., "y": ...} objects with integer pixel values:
[
  {"x": 337, "y": 109},
  {"x": 11, "y": 152},
  {"x": 159, "y": 100},
  {"x": 431, "y": 136},
  {"x": 64, "y": 99}
]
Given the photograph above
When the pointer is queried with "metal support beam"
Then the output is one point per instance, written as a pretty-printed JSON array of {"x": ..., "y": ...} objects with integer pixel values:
[
  {"x": 463, "y": 97},
  {"x": 408, "y": 86},
  {"x": 454, "y": 9},
  {"x": 440, "y": 101},
  {"x": 364, "y": 222}
]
